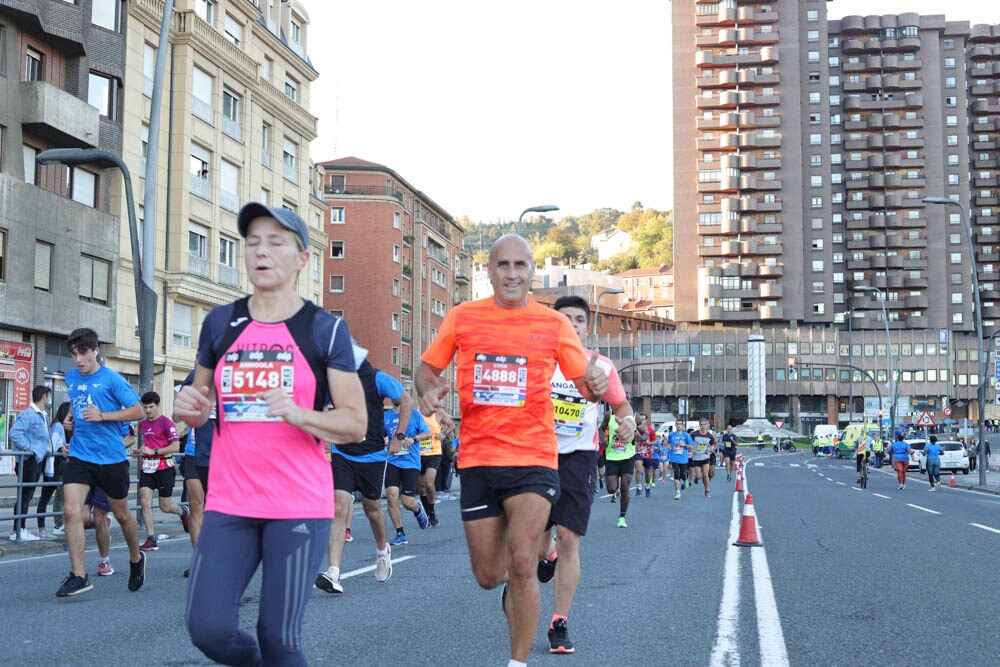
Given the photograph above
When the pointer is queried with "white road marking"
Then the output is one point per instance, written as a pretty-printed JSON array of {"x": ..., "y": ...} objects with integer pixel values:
[
  {"x": 841, "y": 483},
  {"x": 923, "y": 509},
  {"x": 794, "y": 465},
  {"x": 362, "y": 570},
  {"x": 772, "y": 640},
  {"x": 979, "y": 525},
  {"x": 829, "y": 479},
  {"x": 881, "y": 496},
  {"x": 725, "y": 651},
  {"x": 855, "y": 488},
  {"x": 759, "y": 465}
]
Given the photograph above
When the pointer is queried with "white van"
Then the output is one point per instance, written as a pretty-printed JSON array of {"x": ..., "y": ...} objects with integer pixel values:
[{"x": 825, "y": 431}]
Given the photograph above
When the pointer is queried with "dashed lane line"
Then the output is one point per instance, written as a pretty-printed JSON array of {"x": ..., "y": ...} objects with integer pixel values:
[
  {"x": 979, "y": 525},
  {"x": 879, "y": 495},
  {"x": 922, "y": 509}
]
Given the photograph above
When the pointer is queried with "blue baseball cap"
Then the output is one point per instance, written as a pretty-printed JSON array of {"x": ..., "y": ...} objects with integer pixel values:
[{"x": 285, "y": 218}]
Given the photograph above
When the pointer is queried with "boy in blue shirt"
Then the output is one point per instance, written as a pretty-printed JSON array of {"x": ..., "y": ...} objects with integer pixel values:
[{"x": 101, "y": 400}]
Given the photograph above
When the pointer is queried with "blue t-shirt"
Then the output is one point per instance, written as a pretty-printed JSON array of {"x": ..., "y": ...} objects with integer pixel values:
[
  {"x": 98, "y": 442},
  {"x": 408, "y": 457},
  {"x": 673, "y": 439},
  {"x": 933, "y": 451},
  {"x": 388, "y": 387},
  {"x": 898, "y": 449}
]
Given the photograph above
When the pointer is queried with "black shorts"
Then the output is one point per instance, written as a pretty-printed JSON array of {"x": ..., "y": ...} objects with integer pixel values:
[
  {"x": 601, "y": 460},
  {"x": 161, "y": 480},
  {"x": 405, "y": 479},
  {"x": 622, "y": 468},
  {"x": 711, "y": 459},
  {"x": 485, "y": 488},
  {"x": 188, "y": 469},
  {"x": 729, "y": 453},
  {"x": 651, "y": 463},
  {"x": 698, "y": 464},
  {"x": 97, "y": 498},
  {"x": 351, "y": 476},
  {"x": 576, "y": 491},
  {"x": 680, "y": 470},
  {"x": 203, "y": 476},
  {"x": 433, "y": 461},
  {"x": 112, "y": 477}
]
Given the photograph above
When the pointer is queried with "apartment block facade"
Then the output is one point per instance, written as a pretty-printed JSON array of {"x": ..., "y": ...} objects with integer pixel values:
[
  {"x": 804, "y": 148},
  {"x": 235, "y": 127},
  {"x": 396, "y": 262},
  {"x": 61, "y": 71}
]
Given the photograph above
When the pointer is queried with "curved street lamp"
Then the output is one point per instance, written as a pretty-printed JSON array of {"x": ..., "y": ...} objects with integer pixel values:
[
  {"x": 977, "y": 317},
  {"x": 597, "y": 309},
  {"x": 544, "y": 208}
]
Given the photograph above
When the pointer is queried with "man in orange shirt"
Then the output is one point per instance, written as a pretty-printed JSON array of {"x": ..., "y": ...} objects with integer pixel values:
[{"x": 507, "y": 348}]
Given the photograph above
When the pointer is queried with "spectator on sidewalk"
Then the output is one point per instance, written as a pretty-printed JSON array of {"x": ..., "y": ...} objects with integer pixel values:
[
  {"x": 60, "y": 431},
  {"x": 30, "y": 434}
]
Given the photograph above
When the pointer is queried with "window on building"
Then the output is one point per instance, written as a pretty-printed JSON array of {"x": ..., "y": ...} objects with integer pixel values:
[
  {"x": 815, "y": 139},
  {"x": 812, "y": 56},
  {"x": 395, "y": 287},
  {"x": 229, "y": 186},
  {"x": 816, "y": 181},
  {"x": 336, "y": 250},
  {"x": 3, "y": 254},
  {"x": 815, "y": 98},
  {"x": 336, "y": 215},
  {"x": 949, "y": 63},
  {"x": 43, "y": 265},
  {"x": 197, "y": 249},
  {"x": 817, "y": 202},
  {"x": 30, "y": 166},
  {"x": 94, "y": 279},
  {"x": 103, "y": 94},
  {"x": 83, "y": 186},
  {"x": 397, "y": 220},
  {"x": 395, "y": 321},
  {"x": 201, "y": 95},
  {"x": 291, "y": 88},
  {"x": 233, "y": 30},
  {"x": 397, "y": 253},
  {"x": 268, "y": 68},
  {"x": 231, "y": 122},
  {"x": 104, "y": 13},
  {"x": 228, "y": 271},
  {"x": 183, "y": 315},
  {"x": 812, "y": 15},
  {"x": 949, "y": 82},
  {"x": 336, "y": 283},
  {"x": 33, "y": 65},
  {"x": 289, "y": 165},
  {"x": 206, "y": 10},
  {"x": 817, "y": 266}
]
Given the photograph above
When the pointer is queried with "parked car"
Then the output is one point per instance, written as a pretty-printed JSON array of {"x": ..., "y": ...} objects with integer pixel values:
[
  {"x": 917, "y": 457},
  {"x": 954, "y": 457}
]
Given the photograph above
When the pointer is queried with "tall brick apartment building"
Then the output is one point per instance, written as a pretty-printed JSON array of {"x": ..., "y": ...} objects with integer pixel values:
[{"x": 395, "y": 264}]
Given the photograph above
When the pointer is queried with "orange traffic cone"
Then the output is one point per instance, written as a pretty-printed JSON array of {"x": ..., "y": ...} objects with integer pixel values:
[
  {"x": 748, "y": 527},
  {"x": 952, "y": 482},
  {"x": 739, "y": 482}
]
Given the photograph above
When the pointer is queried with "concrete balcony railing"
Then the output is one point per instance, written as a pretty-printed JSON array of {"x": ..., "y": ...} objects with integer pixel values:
[
  {"x": 201, "y": 187},
  {"x": 58, "y": 116}
]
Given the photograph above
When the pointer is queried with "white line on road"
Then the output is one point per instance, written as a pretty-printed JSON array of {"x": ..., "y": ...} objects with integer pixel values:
[
  {"x": 362, "y": 570},
  {"x": 759, "y": 465},
  {"x": 841, "y": 483},
  {"x": 923, "y": 509},
  {"x": 794, "y": 465},
  {"x": 854, "y": 488},
  {"x": 979, "y": 525},
  {"x": 881, "y": 496},
  {"x": 829, "y": 479},
  {"x": 772, "y": 639},
  {"x": 725, "y": 651}
]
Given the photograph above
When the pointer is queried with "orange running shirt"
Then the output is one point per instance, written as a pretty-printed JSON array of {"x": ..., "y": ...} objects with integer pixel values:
[{"x": 505, "y": 363}]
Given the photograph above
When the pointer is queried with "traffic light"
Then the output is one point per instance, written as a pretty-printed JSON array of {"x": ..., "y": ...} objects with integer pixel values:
[{"x": 791, "y": 368}]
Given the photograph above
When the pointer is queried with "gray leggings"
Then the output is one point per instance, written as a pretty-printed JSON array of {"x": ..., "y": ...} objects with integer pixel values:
[
  {"x": 230, "y": 548},
  {"x": 934, "y": 471}
]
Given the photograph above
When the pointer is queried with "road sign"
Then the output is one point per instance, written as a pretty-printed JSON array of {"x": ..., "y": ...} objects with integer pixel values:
[
  {"x": 996, "y": 372},
  {"x": 780, "y": 423},
  {"x": 947, "y": 412},
  {"x": 925, "y": 419}
]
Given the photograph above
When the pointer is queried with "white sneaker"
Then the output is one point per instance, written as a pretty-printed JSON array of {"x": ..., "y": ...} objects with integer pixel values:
[
  {"x": 42, "y": 535},
  {"x": 13, "y": 537},
  {"x": 28, "y": 536},
  {"x": 59, "y": 530},
  {"x": 383, "y": 565}
]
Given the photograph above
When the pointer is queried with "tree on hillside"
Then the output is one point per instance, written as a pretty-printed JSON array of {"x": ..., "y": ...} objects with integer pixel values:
[{"x": 597, "y": 221}]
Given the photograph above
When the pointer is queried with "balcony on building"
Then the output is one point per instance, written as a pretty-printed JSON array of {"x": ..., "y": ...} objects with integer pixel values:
[
  {"x": 197, "y": 265},
  {"x": 228, "y": 275},
  {"x": 57, "y": 116},
  {"x": 201, "y": 186},
  {"x": 363, "y": 191}
]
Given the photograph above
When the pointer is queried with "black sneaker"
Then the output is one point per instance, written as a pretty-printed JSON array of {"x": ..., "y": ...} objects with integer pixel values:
[
  {"x": 187, "y": 572},
  {"x": 546, "y": 570},
  {"x": 433, "y": 522},
  {"x": 137, "y": 573},
  {"x": 559, "y": 641},
  {"x": 74, "y": 585}
]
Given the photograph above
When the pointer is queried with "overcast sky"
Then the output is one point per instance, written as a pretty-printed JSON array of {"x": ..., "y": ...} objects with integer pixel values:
[{"x": 491, "y": 108}]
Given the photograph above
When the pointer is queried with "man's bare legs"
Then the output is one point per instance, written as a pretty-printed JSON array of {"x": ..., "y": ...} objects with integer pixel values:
[{"x": 505, "y": 548}]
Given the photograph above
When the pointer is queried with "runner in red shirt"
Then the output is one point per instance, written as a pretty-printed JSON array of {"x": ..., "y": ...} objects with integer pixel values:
[{"x": 156, "y": 465}]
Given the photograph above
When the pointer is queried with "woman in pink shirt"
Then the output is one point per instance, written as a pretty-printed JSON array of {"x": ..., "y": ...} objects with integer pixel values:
[{"x": 269, "y": 363}]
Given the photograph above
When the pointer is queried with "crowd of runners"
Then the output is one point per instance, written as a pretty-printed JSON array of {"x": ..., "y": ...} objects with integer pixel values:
[{"x": 544, "y": 425}]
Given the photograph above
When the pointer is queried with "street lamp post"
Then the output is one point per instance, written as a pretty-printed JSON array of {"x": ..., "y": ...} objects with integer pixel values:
[
  {"x": 850, "y": 360},
  {"x": 888, "y": 344},
  {"x": 977, "y": 316},
  {"x": 544, "y": 208},
  {"x": 145, "y": 295},
  {"x": 597, "y": 309}
]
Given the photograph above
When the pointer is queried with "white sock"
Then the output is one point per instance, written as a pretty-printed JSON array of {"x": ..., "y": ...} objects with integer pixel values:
[
  {"x": 333, "y": 573},
  {"x": 104, "y": 560},
  {"x": 384, "y": 552},
  {"x": 516, "y": 663}
]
